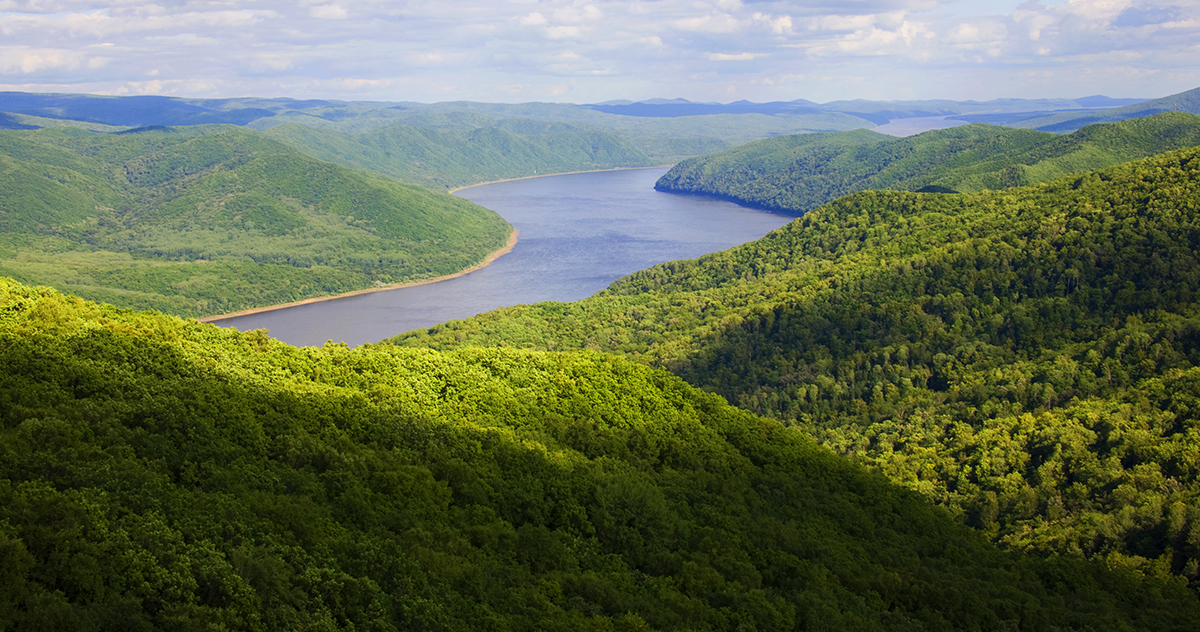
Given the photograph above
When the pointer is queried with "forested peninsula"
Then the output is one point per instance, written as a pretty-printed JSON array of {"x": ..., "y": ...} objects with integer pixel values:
[
  {"x": 1026, "y": 358},
  {"x": 206, "y": 220},
  {"x": 797, "y": 173}
]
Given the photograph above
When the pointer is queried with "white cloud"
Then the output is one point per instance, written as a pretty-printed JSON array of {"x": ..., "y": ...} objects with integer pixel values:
[
  {"x": 614, "y": 48},
  {"x": 841, "y": 22},
  {"x": 777, "y": 25},
  {"x": 732, "y": 57},
  {"x": 328, "y": 12},
  {"x": 563, "y": 32},
  {"x": 713, "y": 23},
  {"x": 534, "y": 19},
  {"x": 31, "y": 60},
  {"x": 271, "y": 62}
]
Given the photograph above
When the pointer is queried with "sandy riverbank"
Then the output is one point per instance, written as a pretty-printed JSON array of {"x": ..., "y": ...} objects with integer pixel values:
[
  {"x": 512, "y": 241},
  {"x": 551, "y": 175}
]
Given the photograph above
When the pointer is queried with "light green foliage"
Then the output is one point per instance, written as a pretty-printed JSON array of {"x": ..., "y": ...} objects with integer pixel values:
[
  {"x": 157, "y": 473},
  {"x": 449, "y": 158},
  {"x": 796, "y": 174},
  {"x": 212, "y": 219},
  {"x": 1028, "y": 358}
]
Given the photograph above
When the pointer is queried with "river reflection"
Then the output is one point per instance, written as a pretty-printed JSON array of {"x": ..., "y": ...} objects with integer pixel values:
[{"x": 578, "y": 233}]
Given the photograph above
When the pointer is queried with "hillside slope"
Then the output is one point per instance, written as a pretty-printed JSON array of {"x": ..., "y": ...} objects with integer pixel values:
[
  {"x": 1029, "y": 358},
  {"x": 796, "y": 174},
  {"x": 212, "y": 219},
  {"x": 451, "y": 158},
  {"x": 1187, "y": 101},
  {"x": 163, "y": 474}
]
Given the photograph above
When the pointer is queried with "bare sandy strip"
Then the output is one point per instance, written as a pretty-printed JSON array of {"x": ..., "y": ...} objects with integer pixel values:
[
  {"x": 551, "y": 175},
  {"x": 512, "y": 241}
]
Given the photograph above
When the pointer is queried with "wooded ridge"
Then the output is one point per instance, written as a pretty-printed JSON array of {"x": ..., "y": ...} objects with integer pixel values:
[
  {"x": 157, "y": 473},
  {"x": 1027, "y": 358},
  {"x": 795, "y": 174}
]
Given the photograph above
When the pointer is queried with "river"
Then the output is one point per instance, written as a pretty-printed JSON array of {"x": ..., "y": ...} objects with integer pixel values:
[{"x": 578, "y": 233}]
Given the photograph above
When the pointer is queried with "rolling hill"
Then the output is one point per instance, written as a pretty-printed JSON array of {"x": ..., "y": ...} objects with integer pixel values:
[
  {"x": 795, "y": 174},
  {"x": 205, "y": 220},
  {"x": 1188, "y": 101},
  {"x": 451, "y": 158},
  {"x": 159, "y": 473}
]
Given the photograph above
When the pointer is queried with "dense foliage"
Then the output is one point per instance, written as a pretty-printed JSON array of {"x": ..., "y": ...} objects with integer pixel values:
[
  {"x": 798, "y": 173},
  {"x": 212, "y": 219},
  {"x": 1028, "y": 358},
  {"x": 157, "y": 473}
]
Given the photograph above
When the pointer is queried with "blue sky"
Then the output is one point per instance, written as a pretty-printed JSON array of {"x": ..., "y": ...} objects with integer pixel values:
[{"x": 592, "y": 51}]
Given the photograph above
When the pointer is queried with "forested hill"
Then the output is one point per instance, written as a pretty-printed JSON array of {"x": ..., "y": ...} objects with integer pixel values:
[
  {"x": 1028, "y": 358},
  {"x": 206, "y": 220},
  {"x": 157, "y": 473},
  {"x": 1187, "y": 101},
  {"x": 450, "y": 158},
  {"x": 798, "y": 173}
]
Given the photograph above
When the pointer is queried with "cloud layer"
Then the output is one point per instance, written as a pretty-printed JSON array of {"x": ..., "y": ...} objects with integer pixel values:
[{"x": 587, "y": 51}]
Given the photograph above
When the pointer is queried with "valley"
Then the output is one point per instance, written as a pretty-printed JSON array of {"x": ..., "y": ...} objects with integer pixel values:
[{"x": 951, "y": 384}]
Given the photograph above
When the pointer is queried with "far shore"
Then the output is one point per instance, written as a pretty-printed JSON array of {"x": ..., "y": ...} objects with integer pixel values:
[
  {"x": 512, "y": 241},
  {"x": 550, "y": 175}
]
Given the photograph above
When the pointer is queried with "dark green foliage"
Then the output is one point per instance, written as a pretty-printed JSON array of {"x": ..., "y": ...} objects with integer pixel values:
[
  {"x": 1029, "y": 358},
  {"x": 796, "y": 174},
  {"x": 157, "y": 473},
  {"x": 206, "y": 220}
]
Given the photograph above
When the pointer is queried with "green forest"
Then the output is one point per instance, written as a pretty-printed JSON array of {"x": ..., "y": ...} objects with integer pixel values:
[
  {"x": 1025, "y": 358},
  {"x": 961, "y": 392},
  {"x": 798, "y": 173},
  {"x": 205, "y": 220},
  {"x": 449, "y": 158},
  {"x": 159, "y": 473}
]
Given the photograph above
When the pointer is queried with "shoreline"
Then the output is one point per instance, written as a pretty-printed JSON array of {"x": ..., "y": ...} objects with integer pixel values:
[
  {"x": 551, "y": 175},
  {"x": 507, "y": 248}
]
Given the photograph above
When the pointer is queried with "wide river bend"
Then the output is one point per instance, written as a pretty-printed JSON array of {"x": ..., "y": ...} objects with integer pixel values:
[{"x": 578, "y": 233}]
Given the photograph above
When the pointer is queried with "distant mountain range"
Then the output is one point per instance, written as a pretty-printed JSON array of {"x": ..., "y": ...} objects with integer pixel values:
[
  {"x": 878, "y": 112},
  {"x": 21, "y": 110}
]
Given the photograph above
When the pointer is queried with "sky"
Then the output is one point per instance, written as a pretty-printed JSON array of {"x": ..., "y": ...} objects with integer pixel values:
[{"x": 594, "y": 51}]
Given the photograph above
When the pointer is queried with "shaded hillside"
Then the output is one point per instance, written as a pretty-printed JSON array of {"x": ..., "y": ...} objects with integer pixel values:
[
  {"x": 1029, "y": 358},
  {"x": 796, "y": 174},
  {"x": 163, "y": 474},
  {"x": 133, "y": 111},
  {"x": 206, "y": 220}
]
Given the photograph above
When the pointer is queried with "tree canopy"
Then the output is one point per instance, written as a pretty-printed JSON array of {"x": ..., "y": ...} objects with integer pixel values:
[
  {"x": 795, "y": 174},
  {"x": 205, "y": 220},
  {"x": 1028, "y": 358}
]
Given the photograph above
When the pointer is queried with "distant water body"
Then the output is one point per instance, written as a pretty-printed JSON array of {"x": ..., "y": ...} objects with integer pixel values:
[
  {"x": 578, "y": 234},
  {"x": 916, "y": 125}
]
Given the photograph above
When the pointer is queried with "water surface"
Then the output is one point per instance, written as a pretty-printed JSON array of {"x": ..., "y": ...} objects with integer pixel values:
[
  {"x": 917, "y": 124},
  {"x": 578, "y": 233}
]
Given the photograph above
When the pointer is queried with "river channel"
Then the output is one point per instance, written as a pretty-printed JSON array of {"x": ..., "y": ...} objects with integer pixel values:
[{"x": 578, "y": 233}]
